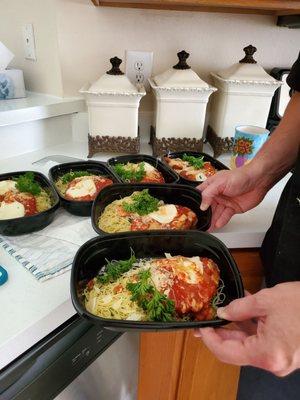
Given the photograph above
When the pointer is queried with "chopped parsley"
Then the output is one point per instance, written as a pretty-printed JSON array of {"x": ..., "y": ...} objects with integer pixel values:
[
  {"x": 197, "y": 162},
  {"x": 157, "y": 306},
  {"x": 115, "y": 269},
  {"x": 143, "y": 203},
  {"x": 68, "y": 177},
  {"x": 129, "y": 174},
  {"x": 26, "y": 183}
]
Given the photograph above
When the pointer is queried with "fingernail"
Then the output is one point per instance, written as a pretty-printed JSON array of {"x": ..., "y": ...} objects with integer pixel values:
[
  {"x": 204, "y": 207},
  {"x": 197, "y": 333},
  {"x": 221, "y": 312}
]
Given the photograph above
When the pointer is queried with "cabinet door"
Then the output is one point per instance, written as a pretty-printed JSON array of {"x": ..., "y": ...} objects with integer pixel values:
[{"x": 177, "y": 366}]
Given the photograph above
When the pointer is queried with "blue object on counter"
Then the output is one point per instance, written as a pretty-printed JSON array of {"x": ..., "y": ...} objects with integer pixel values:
[{"x": 3, "y": 275}]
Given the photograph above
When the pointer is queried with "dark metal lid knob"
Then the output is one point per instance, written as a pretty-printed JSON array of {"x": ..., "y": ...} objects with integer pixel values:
[
  {"x": 249, "y": 51},
  {"x": 183, "y": 56},
  {"x": 115, "y": 69}
]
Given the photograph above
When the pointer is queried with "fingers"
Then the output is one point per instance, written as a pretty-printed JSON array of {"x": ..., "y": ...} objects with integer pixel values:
[
  {"x": 242, "y": 309},
  {"x": 230, "y": 351},
  {"x": 209, "y": 189},
  {"x": 231, "y": 334},
  {"x": 225, "y": 217}
]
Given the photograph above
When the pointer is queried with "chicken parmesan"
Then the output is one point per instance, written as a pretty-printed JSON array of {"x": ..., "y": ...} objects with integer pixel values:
[
  {"x": 22, "y": 196},
  {"x": 191, "y": 168},
  {"x": 172, "y": 288},
  {"x": 142, "y": 172},
  {"x": 141, "y": 211},
  {"x": 81, "y": 185}
]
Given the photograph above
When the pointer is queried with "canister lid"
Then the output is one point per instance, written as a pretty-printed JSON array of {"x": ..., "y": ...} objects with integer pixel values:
[
  {"x": 113, "y": 81},
  {"x": 180, "y": 76},
  {"x": 246, "y": 69}
]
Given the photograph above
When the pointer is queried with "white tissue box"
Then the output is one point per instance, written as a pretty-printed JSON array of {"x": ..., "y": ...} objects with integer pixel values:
[{"x": 11, "y": 84}]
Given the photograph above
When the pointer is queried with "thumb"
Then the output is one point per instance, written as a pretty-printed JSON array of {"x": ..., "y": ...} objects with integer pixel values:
[{"x": 242, "y": 309}]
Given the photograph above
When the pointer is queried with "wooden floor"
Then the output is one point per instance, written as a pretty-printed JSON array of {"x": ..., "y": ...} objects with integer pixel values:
[{"x": 177, "y": 366}]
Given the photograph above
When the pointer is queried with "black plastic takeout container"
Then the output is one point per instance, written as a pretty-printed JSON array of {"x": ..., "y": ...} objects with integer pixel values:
[
  {"x": 91, "y": 257},
  {"x": 81, "y": 208},
  {"x": 32, "y": 223},
  {"x": 170, "y": 194},
  {"x": 215, "y": 163},
  {"x": 169, "y": 175}
]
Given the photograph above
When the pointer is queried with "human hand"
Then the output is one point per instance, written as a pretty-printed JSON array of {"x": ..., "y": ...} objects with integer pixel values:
[
  {"x": 266, "y": 333},
  {"x": 232, "y": 192}
]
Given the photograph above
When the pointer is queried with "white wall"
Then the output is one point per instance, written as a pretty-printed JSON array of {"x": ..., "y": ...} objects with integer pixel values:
[
  {"x": 89, "y": 36},
  {"x": 44, "y": 75}
]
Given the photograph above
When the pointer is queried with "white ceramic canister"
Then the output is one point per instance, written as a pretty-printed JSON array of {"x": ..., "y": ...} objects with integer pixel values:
[
  {"x": 181, "y": 100},
  {"x": 113, "y": 103},
  {"x": 244, "y": 96}
]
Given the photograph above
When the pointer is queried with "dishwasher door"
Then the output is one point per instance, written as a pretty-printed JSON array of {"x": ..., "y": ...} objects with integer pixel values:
[{"x": 52, "y": 364}]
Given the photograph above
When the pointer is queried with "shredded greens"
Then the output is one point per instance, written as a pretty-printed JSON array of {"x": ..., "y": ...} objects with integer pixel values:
[
  {"x": 115, "y": 269},
  {"x": 197, "y": 162},
  {"x": 130, "y": 175},
  {"x": 68, "y": 177},
  {"x": 143, "y": 203},
  {"x": 26, "y": 183},
  {"x": 157, "y": 306}
]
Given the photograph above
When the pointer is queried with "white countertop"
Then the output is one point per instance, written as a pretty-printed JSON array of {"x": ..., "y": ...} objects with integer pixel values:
[
  {"x": 32, "y": 309},
  {"x": 37, "y": 106}
]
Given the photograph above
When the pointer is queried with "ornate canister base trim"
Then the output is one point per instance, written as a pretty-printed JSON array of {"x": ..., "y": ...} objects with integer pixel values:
[
  {"x": 219, "y": 145},
  {"x": 113, "y": 144},
  {"x": 164, "y": 145}
]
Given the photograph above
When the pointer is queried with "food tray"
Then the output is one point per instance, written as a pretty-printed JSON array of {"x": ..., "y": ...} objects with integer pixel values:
[
  {"x": 215, "y": 163},
  {"x": 81, "y": 208},
  {"x": 93, "y": 254},
  {"x": 171, "y": 194},
  {"x": 31, "y": 223}
]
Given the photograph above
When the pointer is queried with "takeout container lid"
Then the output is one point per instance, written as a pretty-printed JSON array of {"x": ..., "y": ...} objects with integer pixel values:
[
  {"x": 179, "y": 77},
  {"x": 92, "y": 255},
  {"x": 114, "y": 82},
  {"x": 170, "y": 194},
  {"x": 247, "y": 70},
  {"x": 80, "y": 208},
  {"x": 169, "y": 175},
  {"x": 31, "y": 223},
  {"x": 178, "y": 154}
]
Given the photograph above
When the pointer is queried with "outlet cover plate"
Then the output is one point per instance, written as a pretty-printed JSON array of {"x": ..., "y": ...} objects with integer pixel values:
[
  {"x": 29, "y": 42},
  {"x": 139, "y": 66}
]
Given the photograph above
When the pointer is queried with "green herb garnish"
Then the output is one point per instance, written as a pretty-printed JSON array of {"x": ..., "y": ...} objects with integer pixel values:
[
  {"x": 143, "y": 203},
  {"x": 130, "y": 175},
  {"x": 66, "y": 178},
  {"x": 197, "y": 162},
  {"x": 157, "y": 306},
  {"x": 114, "y": 269},
  {"x": 26, "y": 183}
]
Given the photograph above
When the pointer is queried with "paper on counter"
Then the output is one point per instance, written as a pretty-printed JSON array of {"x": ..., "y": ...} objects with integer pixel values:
[{"x": 50, "y": 252}]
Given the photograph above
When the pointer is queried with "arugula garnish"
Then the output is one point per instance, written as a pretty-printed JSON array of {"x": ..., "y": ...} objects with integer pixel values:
[
  {"x": 26, "y": 183},
  {"x": 130, "y": 175},
  {"x": 68, "y": 177},
  {"x": 157, "y": 306},
  {"x": 197, "y": 162},
  {"x": 143, "y": 203},
  {"x": 115, "y": 269}
]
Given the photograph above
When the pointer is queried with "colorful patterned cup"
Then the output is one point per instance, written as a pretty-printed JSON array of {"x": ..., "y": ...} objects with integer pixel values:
[{"x": 247, "y": 141}]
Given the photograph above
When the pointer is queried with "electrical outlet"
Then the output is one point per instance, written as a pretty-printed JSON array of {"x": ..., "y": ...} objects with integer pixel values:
[
  {"x": 29, "y": 42},
  {"x": 139, "y": 66}
]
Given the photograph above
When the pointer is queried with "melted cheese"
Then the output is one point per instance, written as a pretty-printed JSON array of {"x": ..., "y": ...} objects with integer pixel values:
[
  {"x": 148, "y": 167},
  {"x": 11, "y": 210},
  {"x": 6, "y": 186},
  {"x": 83, "y": 187},
  {"x": 165, "y": 214}
]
